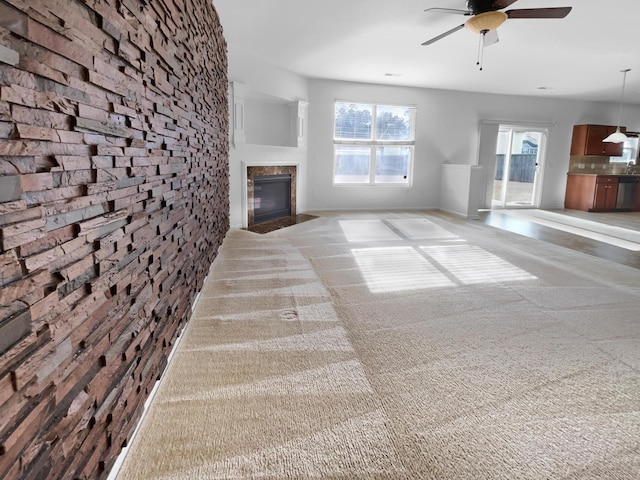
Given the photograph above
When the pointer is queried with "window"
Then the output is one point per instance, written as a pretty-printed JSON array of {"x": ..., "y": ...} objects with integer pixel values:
[
  {"x": 629, "y": 151},
  {"x": 373, "y": 144}
]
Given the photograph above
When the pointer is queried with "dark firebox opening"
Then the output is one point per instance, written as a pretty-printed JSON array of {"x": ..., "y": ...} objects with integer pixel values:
[{"x": 271, "y": 197}]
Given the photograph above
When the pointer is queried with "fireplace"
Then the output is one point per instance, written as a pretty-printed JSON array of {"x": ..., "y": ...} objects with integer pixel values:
[
  {"x": 271, "y": 197},
  {"x": 271, "y": 193}
]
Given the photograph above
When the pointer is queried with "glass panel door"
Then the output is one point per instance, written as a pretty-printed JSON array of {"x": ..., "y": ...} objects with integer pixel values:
[{"x": 518, "y": 158}]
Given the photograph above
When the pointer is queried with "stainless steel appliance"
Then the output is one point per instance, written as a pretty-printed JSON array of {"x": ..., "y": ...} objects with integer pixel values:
[{"x": 627, "y": 191}]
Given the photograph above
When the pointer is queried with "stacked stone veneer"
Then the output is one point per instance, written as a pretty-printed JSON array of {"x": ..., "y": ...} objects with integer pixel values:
[{"x": 113, "y": 203}]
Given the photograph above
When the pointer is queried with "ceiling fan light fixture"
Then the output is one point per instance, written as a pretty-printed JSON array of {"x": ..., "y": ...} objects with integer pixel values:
[
  {"x": 486, "y": 22},
  {"x": 618, "y": 136}
]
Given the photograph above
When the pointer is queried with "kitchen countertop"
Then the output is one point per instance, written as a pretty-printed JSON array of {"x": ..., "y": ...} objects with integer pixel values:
[{"x": 605, "y": 174}]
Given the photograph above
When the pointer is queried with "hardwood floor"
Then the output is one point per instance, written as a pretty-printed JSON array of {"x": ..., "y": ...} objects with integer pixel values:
[{"x": 524, "y": 226}]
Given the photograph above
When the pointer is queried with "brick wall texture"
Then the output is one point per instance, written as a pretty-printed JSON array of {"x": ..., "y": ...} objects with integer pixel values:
[{"x": 113, "y": 203}]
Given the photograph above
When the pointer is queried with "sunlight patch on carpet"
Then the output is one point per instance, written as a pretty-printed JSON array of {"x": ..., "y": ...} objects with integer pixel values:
[
  {"x": 336, "y": 378},
  {"x": 367, "y": 231},
  {"x": 393, "y": 269},
  {"x": 473, "y": 265},
  {"x": 313, "y": 289},
  {"x": 420, "y": 228},
  {"x": 333, "y": 339}
]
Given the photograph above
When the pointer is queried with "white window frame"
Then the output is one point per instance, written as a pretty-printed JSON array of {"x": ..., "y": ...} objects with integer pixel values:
[{"x": 373, "y": 145}]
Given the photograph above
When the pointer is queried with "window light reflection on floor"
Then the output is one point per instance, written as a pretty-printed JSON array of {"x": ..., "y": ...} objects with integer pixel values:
[
  {"x": 471, "y": 264},
  {"x": 393, "y": 269},
  {"x": 367, "y": 231},
  {"x": 419, "y": 228}
]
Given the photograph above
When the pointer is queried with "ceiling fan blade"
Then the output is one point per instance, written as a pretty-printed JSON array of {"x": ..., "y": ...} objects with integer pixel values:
[
  {"x": 490, "y": 38},
  {"x": 559, "y": 12},
  {"x": 449, "y": 10},
  {"x": 500, "y": 4},
  {"x": 445, "y": 34}
]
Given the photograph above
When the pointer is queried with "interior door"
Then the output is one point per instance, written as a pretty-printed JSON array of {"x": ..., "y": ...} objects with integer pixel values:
[{"x": 519, "y": 155}]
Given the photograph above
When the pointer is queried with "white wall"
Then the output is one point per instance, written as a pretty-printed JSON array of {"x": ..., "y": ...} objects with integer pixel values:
[
  {"x": 265, "y": 77},
  {"x": 448, "y": 125},
  {"x": 461, "y": 189}
]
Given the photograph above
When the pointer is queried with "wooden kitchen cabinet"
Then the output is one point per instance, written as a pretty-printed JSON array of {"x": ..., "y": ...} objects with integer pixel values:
[
  {"x": 591, "y": 193},
  {"x": 606, "y": 193},
  {"x": 587, "y": 140}
]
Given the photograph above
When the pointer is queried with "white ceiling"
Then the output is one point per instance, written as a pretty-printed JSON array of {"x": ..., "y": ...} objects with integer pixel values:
[{"x": 577, "y": 57}]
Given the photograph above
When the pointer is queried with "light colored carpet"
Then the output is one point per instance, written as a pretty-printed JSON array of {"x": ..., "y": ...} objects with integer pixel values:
[{"x": 400, "y": 346}]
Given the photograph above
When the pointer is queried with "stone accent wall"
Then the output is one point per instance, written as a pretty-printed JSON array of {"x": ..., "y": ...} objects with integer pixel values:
[{"x": 113, "y": 203}]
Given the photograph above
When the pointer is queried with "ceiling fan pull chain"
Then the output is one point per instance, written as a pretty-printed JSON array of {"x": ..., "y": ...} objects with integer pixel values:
[{"x": 481, "y": 49}]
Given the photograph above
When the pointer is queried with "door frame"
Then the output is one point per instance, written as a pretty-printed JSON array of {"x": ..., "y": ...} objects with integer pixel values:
[
  {"x": 487, "y": 145},
  {"x": 540, "y": 162}
]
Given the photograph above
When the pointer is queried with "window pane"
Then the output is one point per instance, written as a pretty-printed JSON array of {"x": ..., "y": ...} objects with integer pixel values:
[
  {"x": 353, "y": 121},
  {"x": 395, "y": 123},
  {"x": 351, "y": 164},
  {"x": 392, "y": 164}
]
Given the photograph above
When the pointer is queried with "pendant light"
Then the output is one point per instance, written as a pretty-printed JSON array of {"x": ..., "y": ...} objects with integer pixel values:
[{"x": 618, "y": 136}]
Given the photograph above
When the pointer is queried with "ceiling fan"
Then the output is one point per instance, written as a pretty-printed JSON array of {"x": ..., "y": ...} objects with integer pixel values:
[{"x": 486, "y": 17}]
